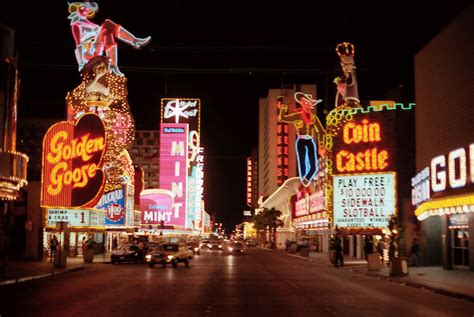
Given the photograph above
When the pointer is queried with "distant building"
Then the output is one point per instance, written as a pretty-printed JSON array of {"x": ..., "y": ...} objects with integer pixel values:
[
  {"x": 30, "y": 141},
  {"x": 144, "y": 153},
  {"x": 13, "y": 164}
]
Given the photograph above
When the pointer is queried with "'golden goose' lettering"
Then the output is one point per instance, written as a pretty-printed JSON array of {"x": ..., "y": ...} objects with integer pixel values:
[{"x": 61, "y": 153}]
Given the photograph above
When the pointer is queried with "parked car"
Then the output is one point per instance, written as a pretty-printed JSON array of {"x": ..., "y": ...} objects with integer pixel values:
[
  {"x": 194, "y": 246},
  {"x": 129, "y": 253},
  {"x": 172, "y": 253},
  {"x": 235, "y": 247}
]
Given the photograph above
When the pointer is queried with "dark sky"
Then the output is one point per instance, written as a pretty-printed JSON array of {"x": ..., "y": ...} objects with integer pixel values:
[{"x": 228, "y": 53}]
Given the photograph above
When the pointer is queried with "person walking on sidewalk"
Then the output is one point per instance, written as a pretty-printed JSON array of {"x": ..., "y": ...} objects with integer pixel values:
[
  {"x": 53, "y": 245},
  {"x": 339, "y": 256},
  {"x": 414, "y": 253}
]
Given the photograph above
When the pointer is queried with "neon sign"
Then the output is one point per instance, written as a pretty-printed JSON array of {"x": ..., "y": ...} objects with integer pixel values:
[
  {"x": 182, "y": 110},
  {"x": 173, "y": 167},
  {"x": 156, "y": 206},
  {"x": 72, "y": 162},
  {"x": 282, "y": 153},
  {"x": 445, "y": 172},
  {"x": 113, "y": 202},
  {"x": 370, "y": 157},
  {"x": 249, "y": 181}
]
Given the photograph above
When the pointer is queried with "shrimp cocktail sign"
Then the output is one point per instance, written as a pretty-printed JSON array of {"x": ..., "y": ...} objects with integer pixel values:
[{"x": 72, "y": 162}]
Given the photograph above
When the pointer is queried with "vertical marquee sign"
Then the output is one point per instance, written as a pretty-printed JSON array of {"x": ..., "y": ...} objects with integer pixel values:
[
  {"x": 282, "y": 152},
  {"x": 72, "y": 173},
  {"x": 173, "y": 167},
  {"x": 364, "y": 181}
]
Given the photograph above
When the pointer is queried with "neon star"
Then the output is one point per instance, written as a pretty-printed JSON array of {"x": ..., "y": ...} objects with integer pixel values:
[{"x": 176, "y": 110}]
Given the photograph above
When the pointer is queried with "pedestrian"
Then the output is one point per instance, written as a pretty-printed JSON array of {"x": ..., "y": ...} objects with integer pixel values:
[
  {"x": 84, "y": 246},
  {"x": 53, "y": 245},
  {"x": 414, "y": 253},
  {"x": 368, "y": 246},
  {"x": 141, "y": 251},
  {"x": 114, "y": 243},
  {"x": 287, "y": 244},
  {"x": 339, "y": 256}
]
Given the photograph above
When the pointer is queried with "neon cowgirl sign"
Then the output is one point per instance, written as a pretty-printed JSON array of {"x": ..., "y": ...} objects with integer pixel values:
[
  {"x": 367, "y": 159},
  {"x": 72, "y": 162}
]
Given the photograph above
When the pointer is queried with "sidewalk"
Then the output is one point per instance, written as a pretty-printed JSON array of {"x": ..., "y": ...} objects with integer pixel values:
[
  {"x": 18, "y": 271},
  {"x": 458, "y": 284}
]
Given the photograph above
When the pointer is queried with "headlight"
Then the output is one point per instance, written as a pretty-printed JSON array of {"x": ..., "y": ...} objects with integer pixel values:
[
  {"x": 230, "y": 249},
  {"x": 220, "y": 247},
  {"x": 195, "y": 249},
  {"x": 170, "y": 257},
  {"x": 148, "y": 256}
]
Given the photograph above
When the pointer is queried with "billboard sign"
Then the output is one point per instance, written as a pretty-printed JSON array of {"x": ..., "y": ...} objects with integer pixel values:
[
  {"x": 364, "y": 200},
  {"x": 113, "y": 202},
  {"x": 182, "y": 110},
  {"x": 72, "y": 161},
  {"x": 173, "y": 167},
  {"x": 156, "y": 205},
  {"x": 76, "y": 218},
  {"x": 365, "y": 144}
]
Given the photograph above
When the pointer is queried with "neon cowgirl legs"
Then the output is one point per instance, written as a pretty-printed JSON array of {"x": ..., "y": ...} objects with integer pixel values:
[{"x": 307, "y": 158}]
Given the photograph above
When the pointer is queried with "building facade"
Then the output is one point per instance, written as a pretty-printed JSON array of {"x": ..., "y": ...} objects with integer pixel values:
[
  {"x": 144, "y": 153},
  {"x": 443, "y": 188}
]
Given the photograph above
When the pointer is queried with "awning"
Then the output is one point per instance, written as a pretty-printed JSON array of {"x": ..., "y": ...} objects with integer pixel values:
[{"x": 446, "y": 206}]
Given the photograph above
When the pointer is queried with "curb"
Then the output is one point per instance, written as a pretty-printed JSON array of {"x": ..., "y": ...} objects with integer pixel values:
[
  {"x": 404, "y": 283},
  {"x": 17, "y": 280},
  {"x": 420, "y": 286}
]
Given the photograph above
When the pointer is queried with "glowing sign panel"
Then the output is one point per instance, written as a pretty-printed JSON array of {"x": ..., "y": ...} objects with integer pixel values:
[
  {"x": 446, "y": 172},
  {"x": 365, "y": 144},
  {"x": 113, "y": 202},
  {"x": 74, "y": 217},
  {"x": 156, "y": 206},
  {"x": 173, "y": 167},
  {"x": 72, "y": 162},
  {"x": 365, "y": 200},
  {"x": 181, "y": 110}
]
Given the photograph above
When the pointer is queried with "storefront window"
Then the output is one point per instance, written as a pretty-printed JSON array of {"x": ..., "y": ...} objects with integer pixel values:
[{"x": 460, "y": 247}]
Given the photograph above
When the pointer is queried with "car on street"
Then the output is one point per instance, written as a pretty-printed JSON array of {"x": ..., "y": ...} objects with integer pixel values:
[
  {"x": 205, "y": 244},
  {"x": 128, "y": 253},
  {"x": 235, "y": 247},
  {"x": 251, "y": 243},
  {"x": 216, "y": 245},
  {"x": 170, "y": 253},
  {"x": 194, "y": 246}
]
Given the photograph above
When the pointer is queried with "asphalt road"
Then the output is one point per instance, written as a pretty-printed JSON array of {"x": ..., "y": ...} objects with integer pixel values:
[{"x": 259, "y": 283}]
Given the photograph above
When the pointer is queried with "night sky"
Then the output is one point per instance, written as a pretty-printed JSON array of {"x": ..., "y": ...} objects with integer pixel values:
[{"x": 228, "y": 54}]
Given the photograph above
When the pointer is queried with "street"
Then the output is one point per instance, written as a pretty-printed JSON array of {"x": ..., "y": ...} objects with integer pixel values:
[{"x": 259, "y": 283}]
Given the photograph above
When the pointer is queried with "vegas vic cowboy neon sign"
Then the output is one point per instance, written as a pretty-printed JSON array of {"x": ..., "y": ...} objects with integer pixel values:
[{"x": 307, "y": 127}]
